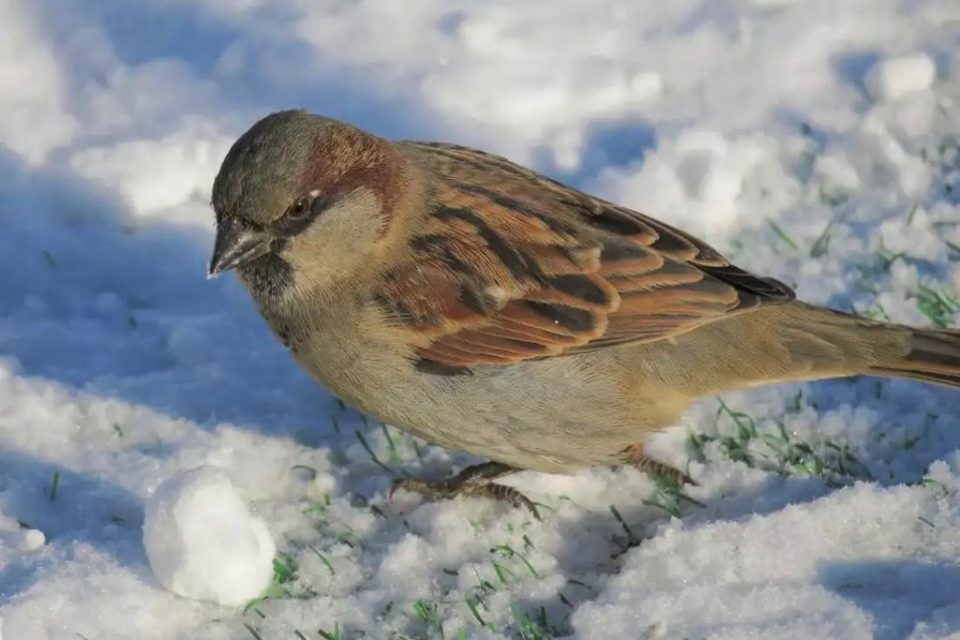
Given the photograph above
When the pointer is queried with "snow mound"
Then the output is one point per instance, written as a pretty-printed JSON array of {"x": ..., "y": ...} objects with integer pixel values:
[
  {"x": 203, "y": 542},
  {"x": 895, "y": 77}
]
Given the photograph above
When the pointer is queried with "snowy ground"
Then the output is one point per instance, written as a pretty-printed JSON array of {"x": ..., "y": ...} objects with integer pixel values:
[{"x": 817, "y": 141}]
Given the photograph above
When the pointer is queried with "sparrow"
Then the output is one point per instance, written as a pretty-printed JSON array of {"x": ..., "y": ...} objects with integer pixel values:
[{"x": 484, "y": 307}]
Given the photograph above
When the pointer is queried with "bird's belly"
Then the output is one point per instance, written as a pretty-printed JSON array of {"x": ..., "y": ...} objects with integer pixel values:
[{"x": 542, "y": 415}]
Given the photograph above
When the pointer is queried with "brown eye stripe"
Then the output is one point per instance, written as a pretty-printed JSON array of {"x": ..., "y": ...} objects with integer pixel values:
[{"x": 295, "y": 222}]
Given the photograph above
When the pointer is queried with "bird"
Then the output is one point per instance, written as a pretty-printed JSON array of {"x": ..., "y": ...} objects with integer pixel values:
[{"x": 484, "y": 307}]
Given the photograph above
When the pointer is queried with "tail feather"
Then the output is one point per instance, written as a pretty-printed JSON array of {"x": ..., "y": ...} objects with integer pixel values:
[
  {"x": 823, "y": 343},
  {"x": 933, "y": 356},
  {"x": 798, "y": 341}
]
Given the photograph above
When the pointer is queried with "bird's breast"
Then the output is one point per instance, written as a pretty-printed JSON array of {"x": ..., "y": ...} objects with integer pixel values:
[{"x": 551, "y": 415}]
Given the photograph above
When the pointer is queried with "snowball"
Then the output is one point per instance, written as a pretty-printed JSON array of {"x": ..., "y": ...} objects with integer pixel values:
[
  {"x": 13, "y": 537},
  {"x": 895, "y": 77},
  {"x": 202, "y": 541},
  {"x": 32, "y": 539}
]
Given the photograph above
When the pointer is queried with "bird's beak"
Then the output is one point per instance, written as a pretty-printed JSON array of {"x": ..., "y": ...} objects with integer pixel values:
[{"x": 237, "y": 243}]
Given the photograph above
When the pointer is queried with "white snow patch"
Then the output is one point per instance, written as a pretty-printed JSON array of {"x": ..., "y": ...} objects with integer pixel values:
[
  {"x": 895, "y": 77},
  {"x": 160, "y": 175},
  {"x": 33, "y": 120},
  {"x": 700, "y": 178},
  {"x": 203, "y": 542}
]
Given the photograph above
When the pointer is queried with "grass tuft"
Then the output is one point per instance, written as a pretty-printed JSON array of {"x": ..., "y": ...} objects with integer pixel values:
[
  {"x": 326, "y": 562},
  {"x": 55, "y": 486},
  {"x": 336, "y": 634},
  {"x": 373, "y": 456},
  {"x": 507, "y": 551},
  {"x": 427, "y": 612},
  {"x": 780, "y": 451},
  {"x": 821, "y": 246},
  {"x": 253, "y": 631},
  {"x": 777, "y": 229},
  {"x": 631, "y": 540},
  {"x": 533, "y": 627},
  {"x": 938, "y": 305}
]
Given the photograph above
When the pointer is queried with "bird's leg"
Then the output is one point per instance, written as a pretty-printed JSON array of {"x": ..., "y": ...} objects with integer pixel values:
[
  {"x": 471, "y": 481},
  {"x": 636, "y": 457}
]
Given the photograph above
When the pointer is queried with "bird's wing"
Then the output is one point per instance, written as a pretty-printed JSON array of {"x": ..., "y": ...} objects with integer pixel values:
[{"x": 510, "y": 265}]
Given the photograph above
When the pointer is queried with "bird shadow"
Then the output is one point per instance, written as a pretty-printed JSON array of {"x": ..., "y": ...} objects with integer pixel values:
[
  {"x": 853, "y": 66},
  {"x": 597, "y": 542},
  {"x": 606, "y": 145},
  {"x": 244, "y": 70},
  {"x": 899, "y": 594},
  {"x": 118, "y": 307},
  {"x": 70, "y": 508},
  {"x": 106, "y": 305}
]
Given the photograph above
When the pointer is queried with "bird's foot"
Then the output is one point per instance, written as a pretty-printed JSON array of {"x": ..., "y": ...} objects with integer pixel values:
[
  {"x": 471, "y": 482},
  {"x": 636, "y": 458}
]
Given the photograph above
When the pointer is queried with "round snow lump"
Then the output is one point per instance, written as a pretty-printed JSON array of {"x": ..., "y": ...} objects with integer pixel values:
[
  {"x": 202, "y": 541},
  {"x": 892, "y": 78}
]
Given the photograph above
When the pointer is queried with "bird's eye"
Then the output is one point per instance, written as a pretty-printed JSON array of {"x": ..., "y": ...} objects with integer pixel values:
[{"x": 299, "y": 209}]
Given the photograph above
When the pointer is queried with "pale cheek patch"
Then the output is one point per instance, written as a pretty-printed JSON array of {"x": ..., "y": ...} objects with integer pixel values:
[{"x": 337, "y": 243}]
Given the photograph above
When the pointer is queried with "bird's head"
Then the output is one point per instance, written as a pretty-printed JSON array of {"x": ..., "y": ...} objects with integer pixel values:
[{"x": 304, "y": 200}]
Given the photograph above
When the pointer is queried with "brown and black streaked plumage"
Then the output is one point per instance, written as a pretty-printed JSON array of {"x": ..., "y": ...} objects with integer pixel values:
[
  {"x": 511, "y": 267},
  {"x": 488, "y": 308}
]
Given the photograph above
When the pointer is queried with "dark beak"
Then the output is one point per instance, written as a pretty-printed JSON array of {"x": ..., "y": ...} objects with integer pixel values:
[{"x": 237, "y": 243}]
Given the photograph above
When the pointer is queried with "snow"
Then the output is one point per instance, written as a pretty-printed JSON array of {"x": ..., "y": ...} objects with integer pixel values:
[
  {"x": 751, "y": 581},
  {"x": 202, "y": 541},
  {"x": 895, "y": 77},
  {"x": 815, "y": 141},
  {"x": 34, "y": 120}
]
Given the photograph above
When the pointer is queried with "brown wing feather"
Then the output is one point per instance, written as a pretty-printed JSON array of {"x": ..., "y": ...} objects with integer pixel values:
[{"x": 510, "y": 265}]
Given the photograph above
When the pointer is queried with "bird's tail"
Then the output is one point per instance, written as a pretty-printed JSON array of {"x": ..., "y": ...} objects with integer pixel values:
[
  {"x": 933, "y": 356},
  {"x": 839, "y": 344}
]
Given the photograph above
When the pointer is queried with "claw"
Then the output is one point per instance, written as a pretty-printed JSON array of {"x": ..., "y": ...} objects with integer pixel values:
[
  {"x": 637, "y": 458},
  {"x": 502, "y": 493},
  {"x": 469, "y": 482}
]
